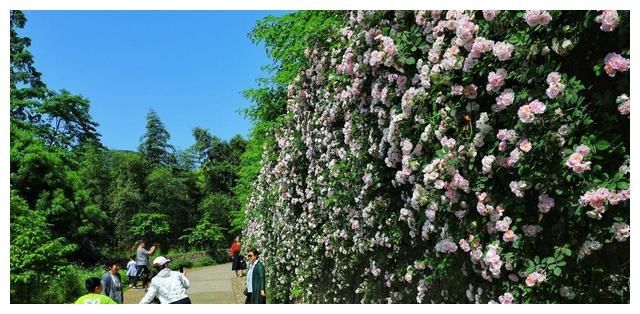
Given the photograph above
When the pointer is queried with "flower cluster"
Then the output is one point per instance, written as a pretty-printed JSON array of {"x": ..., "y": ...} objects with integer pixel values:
[
  {"x": 369, "y": 181},
  {"x": 624, "y": 104},
  {"x": 599, "y": 198},
  {"x": 555, "y": 85},
  {"x": 537, "y": 17},
  {"x": 527, "y": 112},
  {"x": 621, "y": 231},
  {"x": 576, "y": 160}
]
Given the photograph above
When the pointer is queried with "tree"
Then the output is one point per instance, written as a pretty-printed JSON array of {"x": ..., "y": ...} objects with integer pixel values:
[
  {"x": 152, "y": 227},
  {"x": 155, "y": 145},
  {"x": 34, "y": 252},
  {"x": 205, "y": 235},
  {"x": 26, "y": 84}
]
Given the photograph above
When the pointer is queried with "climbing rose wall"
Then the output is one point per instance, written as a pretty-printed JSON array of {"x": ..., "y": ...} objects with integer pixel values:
[{"x": 452, "y": 157}]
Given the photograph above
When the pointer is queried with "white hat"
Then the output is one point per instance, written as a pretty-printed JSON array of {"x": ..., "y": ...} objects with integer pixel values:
[{"x": 161, "y": 260}]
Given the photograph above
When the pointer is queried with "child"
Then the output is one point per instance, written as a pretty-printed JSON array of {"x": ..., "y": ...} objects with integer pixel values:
[
  {"x": 94, "y": 287},
  {"x": 132, "y": 271}
]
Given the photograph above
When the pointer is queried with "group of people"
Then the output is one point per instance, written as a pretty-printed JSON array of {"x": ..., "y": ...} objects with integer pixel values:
[{"x": 167, "y": 286}]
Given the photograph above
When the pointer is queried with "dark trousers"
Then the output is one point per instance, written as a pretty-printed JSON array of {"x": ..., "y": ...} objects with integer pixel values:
[
  {"x": 132, "y": 280},
  {"x": 182, "y": 301},
  {"x": 144, "y": 274}
]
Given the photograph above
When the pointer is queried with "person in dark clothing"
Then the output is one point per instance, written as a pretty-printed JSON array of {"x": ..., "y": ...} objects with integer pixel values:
[
  {"x": 237, "y": 264},
  {"x": 256, "y": 280}
]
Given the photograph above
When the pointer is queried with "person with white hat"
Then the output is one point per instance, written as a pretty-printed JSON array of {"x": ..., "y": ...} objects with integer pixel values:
[{"x": 170, "y": 287}]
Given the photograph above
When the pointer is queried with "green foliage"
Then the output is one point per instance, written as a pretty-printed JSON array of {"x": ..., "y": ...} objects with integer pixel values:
[
  {"x": 205, "y": 235},
  {"x": 155, "y": 145},
  {"x": 34, "y": 253},
  {"x": 150, "y": 226}
]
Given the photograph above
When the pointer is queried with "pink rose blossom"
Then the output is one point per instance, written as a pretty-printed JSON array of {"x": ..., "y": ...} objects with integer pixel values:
[
  {"x": 466, "y": 29},
  {"x": 537, "y": 107},
  {"x": 506, "y": 298},
  {"x": 575, "y": 161},
  {"x": 614, "y": 63},
  {"x": 507, "y": 135},
  {"x": 489, "y": 15},
  {"x": 609, "y": 20},
  {"x": 502, "y": 50},
  {"x": 476, "y": 255},
  {"x": 622, "y": 231},
  {"x": 624, "y": 104},
  {"x": 595, "y": 198},
  {"x": 525, "y": 114},
  {"x": 517, "y": 187},
  {"x": 535, "y": 278},
  {"x": 525, "y": 145},
  {"x": 504, "y": 100},
  {"x": 446, "y": 246},
  {"x": 514, "y": 157},
  {"x": 509, "y": 236},
  {"x": 537, "y": 17},
  {"x": 496, "y": 80},
  {"x": 464, "y": 245},
  {"x": 503, "y": 225},
  {"x": 480, "y": 45},
  {"x": 486, "y": 163},
  {"x": 555, "y": 86},
  {"x": 545, "y": 203}
]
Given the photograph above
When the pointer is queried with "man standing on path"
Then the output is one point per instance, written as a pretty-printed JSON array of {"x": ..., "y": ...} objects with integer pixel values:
[{"x": 142, "y": 262}]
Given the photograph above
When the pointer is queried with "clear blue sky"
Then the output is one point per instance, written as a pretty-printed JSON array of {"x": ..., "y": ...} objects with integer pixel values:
[{"x": 190, "y": 67}]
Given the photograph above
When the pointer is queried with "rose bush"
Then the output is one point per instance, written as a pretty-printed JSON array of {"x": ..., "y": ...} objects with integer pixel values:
[{"x": 450, "y": 157}]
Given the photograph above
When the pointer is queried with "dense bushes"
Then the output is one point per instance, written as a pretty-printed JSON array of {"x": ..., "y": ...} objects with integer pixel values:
[
  {"x": 198, "y": 258},
  {"x": 476, "y": 156}
]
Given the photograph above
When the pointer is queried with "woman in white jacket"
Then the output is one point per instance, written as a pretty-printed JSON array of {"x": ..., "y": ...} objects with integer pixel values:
[{"x": 170, "y": 287}]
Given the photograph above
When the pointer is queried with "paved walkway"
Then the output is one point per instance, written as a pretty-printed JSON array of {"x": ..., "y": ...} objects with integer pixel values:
[{"x": 209, "y": 285}]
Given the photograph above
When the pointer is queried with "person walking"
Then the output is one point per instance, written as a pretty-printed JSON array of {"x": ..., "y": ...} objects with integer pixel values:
[
  {"x": 255, "y": 290},
  {"x": 112, "y": 283},
  {"x": 170, "y": 287},
  {"x": 142, "y": 264},
  {"x": 95, "y": 296},
  {"x": 236, "y": 265},
  {"x": 132, "y": 271}
]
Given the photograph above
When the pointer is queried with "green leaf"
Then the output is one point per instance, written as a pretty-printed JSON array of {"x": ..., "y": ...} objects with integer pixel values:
[
  {"x": 557, "y": 271},
  {"x": 602, "y": 145},
  {"x": 410, "y": 61}
]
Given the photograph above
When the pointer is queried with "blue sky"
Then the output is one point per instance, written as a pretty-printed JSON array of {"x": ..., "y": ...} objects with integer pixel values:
[{"x": 190, "y": 67}]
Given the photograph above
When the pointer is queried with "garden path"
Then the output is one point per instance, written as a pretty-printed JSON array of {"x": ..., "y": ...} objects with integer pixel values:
[{"x": 209, "y": 285}]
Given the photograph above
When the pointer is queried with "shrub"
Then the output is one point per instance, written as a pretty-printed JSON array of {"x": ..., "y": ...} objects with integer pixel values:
[{"x": 460, "y": 156}]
